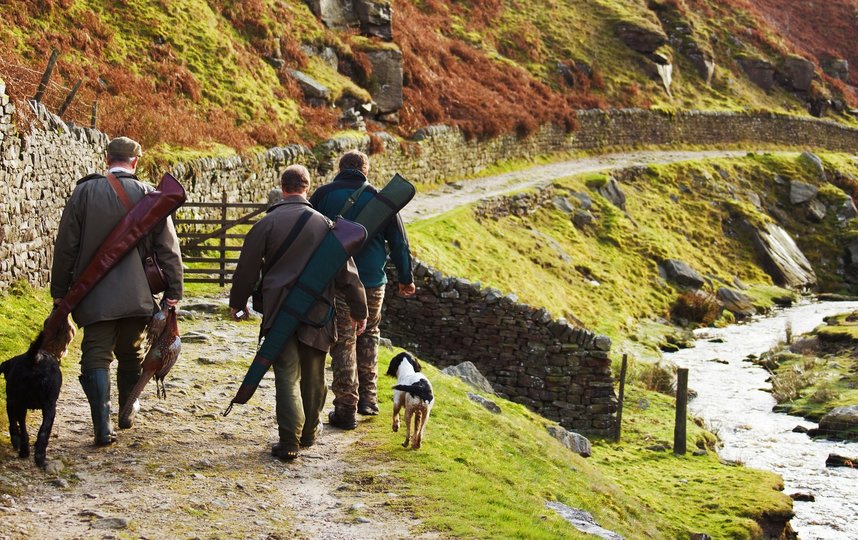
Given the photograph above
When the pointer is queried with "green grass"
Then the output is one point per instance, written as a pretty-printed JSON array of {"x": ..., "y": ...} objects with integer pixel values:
[{"x": 481, "y": 475}]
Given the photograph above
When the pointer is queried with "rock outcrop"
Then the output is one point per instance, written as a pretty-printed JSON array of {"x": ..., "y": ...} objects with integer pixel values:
[
  {"x": 797, "y": 73},
  {"x": 682, "y": 274},
  {"x": 468, "y": 372},
  {"x": 836, "y": 67},
  {"x": 782, "y": 258},
  {"x": 315, "y": 92},
  {"x": 583, "y": 521},
  {"x": 385, "y": 85},
  {"x": 737, "y": 303},
  {"x": 374, "y": 17},
  {"x": 761, "y": 72},
  {"x": 800, "y": 192},
  {"x": 685, "y": 38},
  {"x": 640, "y": 38},
  {"x": 571, "y": 440},
  {"x": 611, "y": 191}
]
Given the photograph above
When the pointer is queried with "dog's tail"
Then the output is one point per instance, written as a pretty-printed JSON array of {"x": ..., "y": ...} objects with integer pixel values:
[
  {"x": 4, "y": 368},
  {"x": 421, "y": 389},
  {"x": 35, "y": 345}
]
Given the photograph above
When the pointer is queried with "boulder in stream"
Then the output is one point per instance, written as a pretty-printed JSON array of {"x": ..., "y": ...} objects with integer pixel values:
[{"x": 840, "y": 422}]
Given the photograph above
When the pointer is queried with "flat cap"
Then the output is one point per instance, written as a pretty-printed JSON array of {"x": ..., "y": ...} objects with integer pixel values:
[{"x": 123, "y": 147}]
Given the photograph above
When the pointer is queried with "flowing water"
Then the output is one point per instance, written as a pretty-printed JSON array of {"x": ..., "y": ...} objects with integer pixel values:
[{"x": 733, "y": 401}]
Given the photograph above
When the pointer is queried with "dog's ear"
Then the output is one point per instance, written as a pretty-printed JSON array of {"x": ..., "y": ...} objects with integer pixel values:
[
  {"x": 394, "y": 364},
  {"x": 414, "y": 363}
]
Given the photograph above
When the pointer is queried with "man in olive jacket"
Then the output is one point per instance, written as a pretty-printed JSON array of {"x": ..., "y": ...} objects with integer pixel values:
[
  {"x": 116, "y": 311},
  {"x": 299, "y": 370},
  {"x": 354, "y": 359}
]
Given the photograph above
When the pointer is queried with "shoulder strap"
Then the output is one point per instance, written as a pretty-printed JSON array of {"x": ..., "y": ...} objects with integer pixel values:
[
  {"x": 120, "y": 191},
  {"x": 296, "y": 230},
  {"x": 352, "y": 199}
]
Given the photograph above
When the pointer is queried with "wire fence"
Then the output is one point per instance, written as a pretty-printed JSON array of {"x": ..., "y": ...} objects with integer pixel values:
[{"x": 23, "y": 84}]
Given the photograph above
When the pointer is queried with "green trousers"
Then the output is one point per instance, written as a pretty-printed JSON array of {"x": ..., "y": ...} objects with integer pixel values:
[
  {"x": 122, "y": 337},
  {"x": 299, "y": 379}
]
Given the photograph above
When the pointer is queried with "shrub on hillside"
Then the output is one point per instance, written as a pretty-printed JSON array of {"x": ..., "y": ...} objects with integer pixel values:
[
  {"x": 696, "y": 307},
  {"x": 657, "y": 377}
]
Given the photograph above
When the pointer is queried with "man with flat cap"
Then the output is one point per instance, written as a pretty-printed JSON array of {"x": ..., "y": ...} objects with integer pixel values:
[{"x": 114, "y": 314}]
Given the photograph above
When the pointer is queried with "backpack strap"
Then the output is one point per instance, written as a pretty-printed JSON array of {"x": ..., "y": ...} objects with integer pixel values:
[{"x": 352, "y": 199}]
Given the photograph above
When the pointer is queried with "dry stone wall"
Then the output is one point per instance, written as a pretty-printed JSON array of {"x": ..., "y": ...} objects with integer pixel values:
[
  {"x": 38, "y": 171},
  {"x": 557, "y": 370}
]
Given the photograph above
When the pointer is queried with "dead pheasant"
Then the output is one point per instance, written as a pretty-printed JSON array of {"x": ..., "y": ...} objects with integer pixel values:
[{"x": 163, "y": 350}]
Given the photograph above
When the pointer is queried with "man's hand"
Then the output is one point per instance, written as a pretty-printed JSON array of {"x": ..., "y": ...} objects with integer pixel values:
[
  {"x": 359, "y": 326},
  {"x": 407, "y": 291},
  {"x": 239, "y": 314},
  {"x": 57, "y": 301}
]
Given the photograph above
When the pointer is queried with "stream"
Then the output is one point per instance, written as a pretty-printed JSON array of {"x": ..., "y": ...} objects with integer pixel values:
[{"x": 733, "y": 402}]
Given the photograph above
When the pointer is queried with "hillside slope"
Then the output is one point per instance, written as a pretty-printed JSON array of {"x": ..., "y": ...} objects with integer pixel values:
[{"x": 220, "y": 73}]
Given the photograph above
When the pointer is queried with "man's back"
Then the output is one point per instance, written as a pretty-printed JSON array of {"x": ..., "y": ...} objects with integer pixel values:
[
  {"x": 330, "y": 199},
  {"x": 93, "y": 210}
]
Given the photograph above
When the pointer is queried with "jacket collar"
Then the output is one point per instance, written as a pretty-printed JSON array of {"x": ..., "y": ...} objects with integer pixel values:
[
  {"x": 291, "y": 199},
  {"x": 350, "y": 176},
  {"x": 119, "y": 174}
]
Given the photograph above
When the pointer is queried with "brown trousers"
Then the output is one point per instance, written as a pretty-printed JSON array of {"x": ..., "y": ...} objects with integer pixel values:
[{"x": 354, "y": 359}]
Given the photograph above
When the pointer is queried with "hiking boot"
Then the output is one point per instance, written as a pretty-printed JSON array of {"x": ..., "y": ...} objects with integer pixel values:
[
  {"x": 367, "y": 409},
  {"x": 125, "y": 382},
  {"x": 280, "y": 452},
  {"x": 96, "y": 386},
  {"x": 342, "y": 421}
]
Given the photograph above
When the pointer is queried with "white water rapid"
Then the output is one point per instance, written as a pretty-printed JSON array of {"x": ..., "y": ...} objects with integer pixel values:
[{"x": 733, "y": 401}]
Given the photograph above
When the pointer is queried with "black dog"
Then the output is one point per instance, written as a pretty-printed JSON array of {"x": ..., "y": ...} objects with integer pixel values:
[{"x": 33, "y": 381}]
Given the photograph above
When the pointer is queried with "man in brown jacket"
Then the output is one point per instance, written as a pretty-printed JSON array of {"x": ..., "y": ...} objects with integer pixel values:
[
  {"x": 299, "y": 370},
  {"x": 115, "y": 313}
]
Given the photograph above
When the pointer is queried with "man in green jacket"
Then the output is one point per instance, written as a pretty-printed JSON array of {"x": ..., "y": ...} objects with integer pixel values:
[
  {"x": 354, "y": 359},
  {"x": 116, "y": 311},
  {"x": 299, "y": 370}
]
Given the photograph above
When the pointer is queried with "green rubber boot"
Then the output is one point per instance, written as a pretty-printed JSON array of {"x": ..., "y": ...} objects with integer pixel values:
[
  {"x": 125, "y": 381},
  {"x": 96, "y": 386}
]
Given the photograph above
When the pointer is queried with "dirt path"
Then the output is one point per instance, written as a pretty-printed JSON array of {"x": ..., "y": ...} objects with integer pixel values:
[
  {"x": 427, "y": 205},
  {"x": 184, "y": 471}
]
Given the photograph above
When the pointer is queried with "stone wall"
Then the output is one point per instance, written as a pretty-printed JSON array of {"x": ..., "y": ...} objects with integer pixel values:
[
  {"x": 557, "y": 370},
  {"x": 37, "y": 174}
]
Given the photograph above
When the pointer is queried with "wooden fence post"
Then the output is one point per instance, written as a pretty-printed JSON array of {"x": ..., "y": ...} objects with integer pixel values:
[
  {"x": 681, "y": 411},
  {"x": 223, "y": 223},
  {"x": 94, "y": 117},
  {"x": 46, "y": 77},
  {"x": 69, "y": 98},
  {"x": 621, "y": 398}
]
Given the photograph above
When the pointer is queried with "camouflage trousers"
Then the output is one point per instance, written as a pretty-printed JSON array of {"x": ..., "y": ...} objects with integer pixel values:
[{"x": 354, "y": 359}]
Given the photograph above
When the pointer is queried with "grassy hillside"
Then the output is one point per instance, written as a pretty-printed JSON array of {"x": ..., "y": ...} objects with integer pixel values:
[
  {"x": 606, "y": 274},
  {"x": 214, "y": 74},
  {"x": 485, "y": 475}
]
